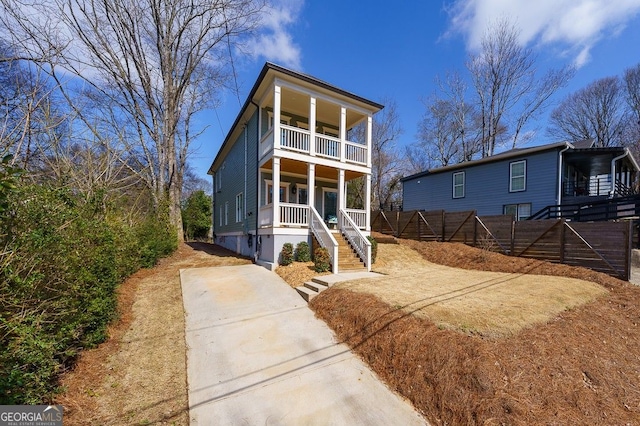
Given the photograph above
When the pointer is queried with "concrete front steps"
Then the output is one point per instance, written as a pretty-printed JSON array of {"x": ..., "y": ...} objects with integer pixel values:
[{"x": 312, "y": 288}]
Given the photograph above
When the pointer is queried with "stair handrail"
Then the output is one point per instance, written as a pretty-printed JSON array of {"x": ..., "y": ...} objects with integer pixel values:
[
  {"x": 357, "y": 239},
  {"x": 324, "y": 237}
]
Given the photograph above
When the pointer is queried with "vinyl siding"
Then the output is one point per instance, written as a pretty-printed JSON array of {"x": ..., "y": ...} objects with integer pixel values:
[
  {"x": 486, "y": 186},
  {"x": 232, "y": 174}
]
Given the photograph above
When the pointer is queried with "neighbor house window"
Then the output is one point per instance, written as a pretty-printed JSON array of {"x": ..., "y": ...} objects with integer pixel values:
[
  {"x": 518, "y": 176},
  {"x": 220, "y": 220},
  {"x": 458, "y": 185},
  {"x": 226, "y": 213},
  {"x": 239, "y": 207},
  {"x": 518, "y": 211}
]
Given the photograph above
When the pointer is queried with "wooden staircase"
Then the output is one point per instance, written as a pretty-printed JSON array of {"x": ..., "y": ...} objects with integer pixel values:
[{"x": 348, "y": 259}]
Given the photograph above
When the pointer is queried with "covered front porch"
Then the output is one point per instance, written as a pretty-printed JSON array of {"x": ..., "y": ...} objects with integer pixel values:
[
  {"x": 598, "y": 172},
  {"x": 319, "y": 200}
]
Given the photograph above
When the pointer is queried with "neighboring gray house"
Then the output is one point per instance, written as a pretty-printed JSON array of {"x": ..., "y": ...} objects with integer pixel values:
[
  {"x": 523, "y": 181},
  {"x": 292, "y": 134}
]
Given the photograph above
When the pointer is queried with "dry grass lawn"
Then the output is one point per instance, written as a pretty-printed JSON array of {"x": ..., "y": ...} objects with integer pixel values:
[{"x": 487, "y": 303}]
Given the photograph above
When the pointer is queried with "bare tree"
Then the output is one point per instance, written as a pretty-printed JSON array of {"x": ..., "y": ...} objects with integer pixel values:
[
  {"x": 632, "y": 87},
  {"x": 508, "y": 92},
  {"x": 154, "y": 64},
  {"x": 595, "y": 112},
  {"x": 447, "y": 133},
  {"x": 388, "y": 163}
]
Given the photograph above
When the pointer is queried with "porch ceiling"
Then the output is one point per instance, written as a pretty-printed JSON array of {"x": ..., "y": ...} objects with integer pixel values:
[
  {"x": 592, "y": 162},
  {"x": 300, "y": 168}
]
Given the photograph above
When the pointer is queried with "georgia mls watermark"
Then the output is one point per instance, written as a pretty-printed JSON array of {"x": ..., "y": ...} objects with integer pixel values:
[{"x": 30, "y": 415}]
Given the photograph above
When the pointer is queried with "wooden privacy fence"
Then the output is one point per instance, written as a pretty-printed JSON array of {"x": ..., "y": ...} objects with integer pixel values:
[{"x": 601, "y": 246}]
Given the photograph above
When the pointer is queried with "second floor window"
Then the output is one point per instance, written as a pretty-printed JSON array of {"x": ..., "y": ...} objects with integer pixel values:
[
  {"x": 458, "y": 185},
  {"x": 518, "y": 176}
]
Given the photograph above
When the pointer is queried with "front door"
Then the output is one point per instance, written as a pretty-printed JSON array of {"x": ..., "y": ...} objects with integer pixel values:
[{"x": 329, "y": 204}]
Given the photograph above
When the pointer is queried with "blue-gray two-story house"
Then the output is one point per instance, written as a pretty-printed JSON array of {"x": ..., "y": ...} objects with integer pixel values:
[
  {"x": 522, "y": 181},
  {"x": 282, "y": 172}
]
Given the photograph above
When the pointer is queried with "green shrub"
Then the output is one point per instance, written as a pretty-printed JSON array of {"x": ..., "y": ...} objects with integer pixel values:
[
  {"x": 286, "y": 255},
  {"x": 321, "y": 260},
  {"x": 303, "y": 253},
  {"x": 374, "y": 249},
  {"x": 61, "y": 261},
  {"x": 155, "y": 240}
]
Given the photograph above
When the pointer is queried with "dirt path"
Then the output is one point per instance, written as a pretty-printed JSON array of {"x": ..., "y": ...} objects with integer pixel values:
[{"x": 139, "y": 376}]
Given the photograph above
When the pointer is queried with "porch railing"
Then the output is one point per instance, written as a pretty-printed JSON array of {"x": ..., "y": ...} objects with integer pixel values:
[
  {"x": 294, "y": 138},
  {"x": 357, "y": 239},
  {"x": 593, "y": 187},
  {"x": 294, "y": 214},
  {"x": 266, "y": 216},
  {"x": 299, "y": 140},
  {"x": 324, "y": 237},
  {"x": 359, "y": 217}
]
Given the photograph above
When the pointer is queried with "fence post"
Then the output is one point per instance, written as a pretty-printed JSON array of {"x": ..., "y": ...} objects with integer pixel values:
[
  {"x": 513, "y": 236},
  {"x": 562, "y": 239}
]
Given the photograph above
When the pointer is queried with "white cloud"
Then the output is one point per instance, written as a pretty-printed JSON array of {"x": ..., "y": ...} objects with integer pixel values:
[
  {"x": 574, "y": 26},
  {"x": 274, "y": 42}
]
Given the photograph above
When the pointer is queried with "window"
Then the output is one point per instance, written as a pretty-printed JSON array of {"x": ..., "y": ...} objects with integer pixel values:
[
  {"x": 220, "y": 220},
  {"x": 518, "y": 211},
  {"x": 458, "y": 185},
  {"x": 301, "y": 194},
  {"x": 240, "y": 207},
  {"x": 518, "y": 176},
  {"x": 284, "y": 192},
  {"x": 226, "y": 213}
]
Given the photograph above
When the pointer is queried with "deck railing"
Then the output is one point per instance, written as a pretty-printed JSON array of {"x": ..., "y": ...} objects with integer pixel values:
[
  {"x": 359, "y": 217},
  {"x": 324, "y": 237},
  {"x": 294, "y": 138},
  {"x": 299, "y": 140},
  {"x": 357, "y": 239},
  {"x": 294, "y": 214}
]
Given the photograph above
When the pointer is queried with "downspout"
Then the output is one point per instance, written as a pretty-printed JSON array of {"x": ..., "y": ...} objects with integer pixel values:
[
  {"x": 560, "y": 172},
  {"x": 256, "y": 246},
  {"x": 613, "y": 171}
]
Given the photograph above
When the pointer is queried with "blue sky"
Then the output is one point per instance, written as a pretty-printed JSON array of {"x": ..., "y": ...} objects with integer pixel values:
[{"x": 380, "y": 49}]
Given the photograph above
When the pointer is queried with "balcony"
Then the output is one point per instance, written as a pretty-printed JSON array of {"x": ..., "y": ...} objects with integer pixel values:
[{"x": 295, "y": 139}]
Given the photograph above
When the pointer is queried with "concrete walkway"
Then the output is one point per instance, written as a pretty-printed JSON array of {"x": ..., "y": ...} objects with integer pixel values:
[{"x": 257, "y": 355}]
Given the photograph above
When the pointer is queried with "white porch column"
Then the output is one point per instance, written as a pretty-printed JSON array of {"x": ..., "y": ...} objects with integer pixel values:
[
  {"x": 369, "y": 140},
  {"x": 311, "y": 185},
  {"x": 312, "y": 127},
  {"x": 276, "y": 192},
  {"x": 341, "y": 190},
  {"x": 367, "y": 202},
  {"x": 276, "y": 117},
  {"x": 343, "y": 131}
]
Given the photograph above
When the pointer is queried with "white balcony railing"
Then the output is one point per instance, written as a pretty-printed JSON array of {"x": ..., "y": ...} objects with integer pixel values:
[
  {"x": 328, "y": 146},
  {"x": 294, "y": 138},
  {"x": 294, "y": 214},
  {"x": 299, "y": 140}
]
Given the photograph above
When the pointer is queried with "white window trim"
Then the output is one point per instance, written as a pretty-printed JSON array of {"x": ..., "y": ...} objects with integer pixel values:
[
  {"x": 269, "y": 182},
  {"x": 464, "y": 181},
  {"x": 324, "y": 191},
  {"x": 226, "y": 213},
  {"x": 518, "y": 216},
  {"x": 511, "y": 176},
  {"x": 239, "y": 207},
  {"x": 284, "y": 119},
  {"x": 301, "y": 186}
]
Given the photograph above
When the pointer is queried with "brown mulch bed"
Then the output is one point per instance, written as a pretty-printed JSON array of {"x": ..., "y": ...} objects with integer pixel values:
[{"x": 582, "y": 367}]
